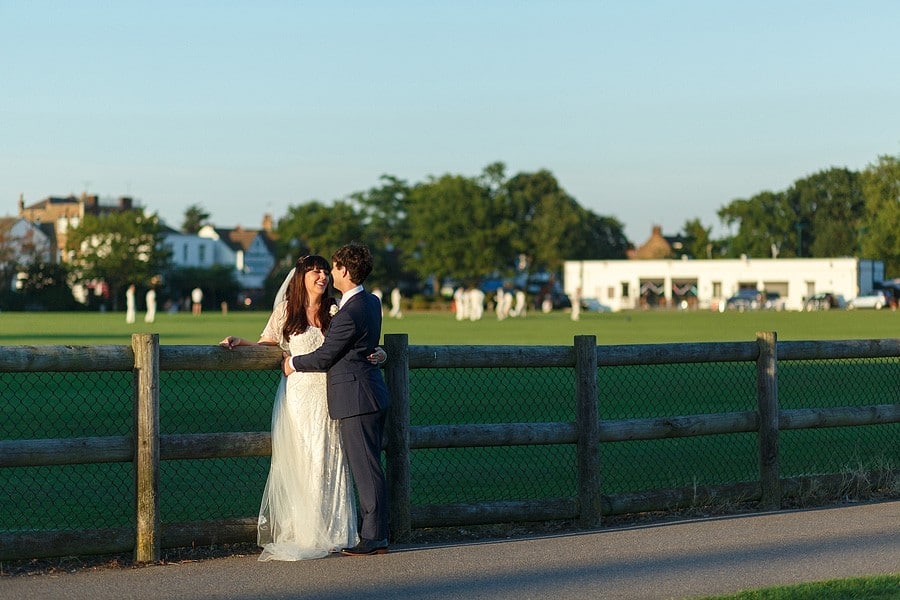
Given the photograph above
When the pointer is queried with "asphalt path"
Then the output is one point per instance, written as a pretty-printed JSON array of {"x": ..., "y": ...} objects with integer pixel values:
[{"x": 682, "y": 559}]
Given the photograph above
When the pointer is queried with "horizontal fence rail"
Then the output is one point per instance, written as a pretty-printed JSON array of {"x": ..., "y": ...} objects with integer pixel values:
[{"x": 147, "y": 445}]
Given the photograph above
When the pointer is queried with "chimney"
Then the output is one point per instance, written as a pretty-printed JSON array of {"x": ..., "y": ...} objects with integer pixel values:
[
  {"x": 125, "y": 203},
  {"x": 267, "y": 223}
]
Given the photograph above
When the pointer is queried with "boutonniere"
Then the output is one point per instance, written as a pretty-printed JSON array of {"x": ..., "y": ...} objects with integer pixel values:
[{"x": 333, "y": 310}]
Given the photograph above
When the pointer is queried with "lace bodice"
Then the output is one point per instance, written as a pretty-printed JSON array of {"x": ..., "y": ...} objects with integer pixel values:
[
  {"x": 303, "y": 343},
  {"x": 307, "y": 341}
]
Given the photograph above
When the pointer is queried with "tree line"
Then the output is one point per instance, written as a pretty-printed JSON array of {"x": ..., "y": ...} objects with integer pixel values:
[{"x": 464, "y": 228}]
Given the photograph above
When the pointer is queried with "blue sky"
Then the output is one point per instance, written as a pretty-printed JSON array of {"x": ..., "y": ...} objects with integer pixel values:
[{"x": 653, "y": 112}]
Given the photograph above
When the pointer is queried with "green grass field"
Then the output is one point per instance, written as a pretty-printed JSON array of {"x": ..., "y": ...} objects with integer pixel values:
[
  {"x": 632, "y": 327},
  {"x": 878, "y": 587},
  {"x": 98, "y": 404}
]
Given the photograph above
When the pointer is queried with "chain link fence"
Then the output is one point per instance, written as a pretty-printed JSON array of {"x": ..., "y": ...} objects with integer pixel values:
[
  {"x": 660, "y": 391},
  {"x": 491, "y": 396},
  {"x": 832, "y": 384},
  {"x": 40, "y": 405},
  {"x": 213, "y": 402}
]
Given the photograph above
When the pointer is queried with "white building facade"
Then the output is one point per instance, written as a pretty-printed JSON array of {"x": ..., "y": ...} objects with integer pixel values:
[
  {"x": 192, "y": 251},
  {"x": 23, "y": 242},
  {"x": 707, "y": 284},
  {"x": 211, "y": 247},
  {"x": 247, "y": 251}
]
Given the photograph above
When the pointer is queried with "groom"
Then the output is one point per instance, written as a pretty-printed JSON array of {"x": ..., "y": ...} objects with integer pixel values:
[{"x": 357, "y": 395}]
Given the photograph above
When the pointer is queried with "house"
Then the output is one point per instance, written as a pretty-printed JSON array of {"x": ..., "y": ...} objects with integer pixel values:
[
  {"x": 189, "y": 250},
  {"x": 60, "y": 213},
  {"x": 250, "y": 251},
  {"x": 22, "y": 243},
  {"x": 659, "y": 246},
  {"x": 630, "y": 284}
]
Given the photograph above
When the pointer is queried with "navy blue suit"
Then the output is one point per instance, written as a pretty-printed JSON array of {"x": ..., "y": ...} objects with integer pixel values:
[{"x": 357, "y": 396}]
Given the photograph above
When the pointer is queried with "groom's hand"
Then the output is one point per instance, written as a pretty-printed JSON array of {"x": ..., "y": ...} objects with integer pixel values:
[{"x": 287, "y": 367}]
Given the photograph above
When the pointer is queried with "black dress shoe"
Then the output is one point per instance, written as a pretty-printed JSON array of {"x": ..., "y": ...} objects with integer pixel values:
[{"x": 367, "y": 548}]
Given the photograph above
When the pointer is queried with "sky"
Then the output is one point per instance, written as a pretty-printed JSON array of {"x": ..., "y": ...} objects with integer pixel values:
[{"x": 652, "y": 112}]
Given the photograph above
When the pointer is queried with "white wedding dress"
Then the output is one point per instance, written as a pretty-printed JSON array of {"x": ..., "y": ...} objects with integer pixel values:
[{"x": 307, "y": 508}]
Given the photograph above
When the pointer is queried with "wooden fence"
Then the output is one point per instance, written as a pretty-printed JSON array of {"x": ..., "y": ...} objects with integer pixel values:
[{"x": 147, "y": 447}]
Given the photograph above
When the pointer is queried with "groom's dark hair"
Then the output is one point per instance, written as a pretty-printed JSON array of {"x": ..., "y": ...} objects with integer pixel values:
[{"x": 356, "y": 258}]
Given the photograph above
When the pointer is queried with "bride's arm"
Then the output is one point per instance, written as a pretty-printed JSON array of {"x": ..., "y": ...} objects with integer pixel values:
[
  {"x": 269, "y": 336},
  {"x": 233, "y": 342}
]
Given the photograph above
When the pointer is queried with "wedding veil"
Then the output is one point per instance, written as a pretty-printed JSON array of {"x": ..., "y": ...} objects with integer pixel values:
[{"x": 282, "y": 291}]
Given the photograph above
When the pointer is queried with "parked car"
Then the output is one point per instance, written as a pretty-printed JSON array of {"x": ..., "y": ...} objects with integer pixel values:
[
  {"x": 877, "y": 300},
  {"x": 594, "y": 305},
  {"x": 824, "y": 301},
  {"x": 746, "y": 299}
]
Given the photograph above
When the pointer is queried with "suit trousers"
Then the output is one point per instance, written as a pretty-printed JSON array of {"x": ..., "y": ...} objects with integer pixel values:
[{"x": 362, "y": 436}]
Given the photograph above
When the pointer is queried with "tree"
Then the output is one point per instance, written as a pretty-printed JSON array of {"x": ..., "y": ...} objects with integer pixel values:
[
  {"x": 597, "y": 237},
  {"x": 698, "y": 243},
  {"x": 452, "y": 229},
  {"x": 194, "y": 218},
  {"x": 830, "y": 206},
  {"x": 761, "y": 222},
  {"x": 314, "y": 228},
  {"x": 465, "y": 228},
  {"x": 521, "y": 202},
  {"x": 383, "y": 213},
  {"x": 880, "y": 228},
  {"x": 119, "y": 248},
  {"x": 549, "y": 226},
  {"x": 552, "y": 232},
  {"x": 818, "y": 216},
  {"x": 45, "y": 285}
]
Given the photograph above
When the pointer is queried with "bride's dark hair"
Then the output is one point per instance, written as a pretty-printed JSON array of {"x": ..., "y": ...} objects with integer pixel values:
[{"x": 297, "y": 297}]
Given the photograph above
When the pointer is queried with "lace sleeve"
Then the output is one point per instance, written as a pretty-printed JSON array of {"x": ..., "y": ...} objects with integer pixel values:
[{"x": 274, "y": 329}]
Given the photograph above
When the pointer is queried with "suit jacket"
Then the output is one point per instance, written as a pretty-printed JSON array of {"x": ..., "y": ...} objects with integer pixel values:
[{"x": 354, "y": 385}]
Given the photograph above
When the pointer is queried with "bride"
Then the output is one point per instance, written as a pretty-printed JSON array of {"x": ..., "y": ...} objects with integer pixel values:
[{"x": 307, "y": 508}]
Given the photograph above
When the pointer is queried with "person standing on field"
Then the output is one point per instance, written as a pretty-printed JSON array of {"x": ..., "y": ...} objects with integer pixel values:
[
  {"x": 576, "y": 305},
  {"x": 151, "y": 306},
  {"x": 129, "y": 304},
  {"x": 196, "y": 301},
  {"x": 395, "y": 304}
]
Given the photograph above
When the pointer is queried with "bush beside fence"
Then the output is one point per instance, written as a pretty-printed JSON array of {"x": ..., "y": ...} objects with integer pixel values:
[{"x": 588, "y": 376}]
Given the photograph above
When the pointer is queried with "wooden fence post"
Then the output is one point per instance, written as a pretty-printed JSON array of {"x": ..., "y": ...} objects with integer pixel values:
[
  {"x": 767, "y": 400},
  {"x": 146, "y": 446},
  {"x": 588, "y": 426},
  {"x": 397, "y": 379}
]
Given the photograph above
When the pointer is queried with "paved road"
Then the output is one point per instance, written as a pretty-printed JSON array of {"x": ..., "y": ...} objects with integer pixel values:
[{"x": 682, "y": 559}]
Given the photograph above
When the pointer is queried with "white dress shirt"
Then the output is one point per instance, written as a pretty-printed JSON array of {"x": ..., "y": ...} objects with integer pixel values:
[{"x": 349, "y": 294}]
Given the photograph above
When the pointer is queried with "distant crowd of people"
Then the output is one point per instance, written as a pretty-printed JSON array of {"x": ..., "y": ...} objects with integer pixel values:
[{"x": 469, "y": 304}]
